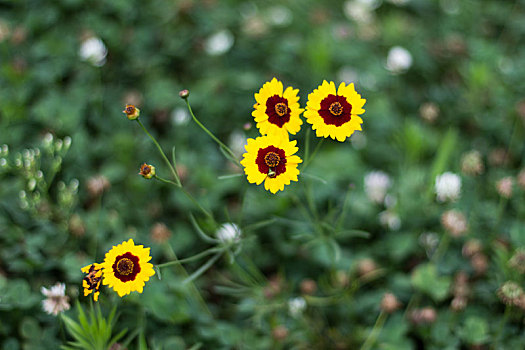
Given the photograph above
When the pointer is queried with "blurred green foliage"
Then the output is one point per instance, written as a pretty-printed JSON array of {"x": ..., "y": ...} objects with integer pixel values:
[{"x": 464, "y": 90}]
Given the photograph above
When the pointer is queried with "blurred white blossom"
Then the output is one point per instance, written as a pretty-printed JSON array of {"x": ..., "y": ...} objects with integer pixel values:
[
  {"x": 228, "y": 233},
  {"x": 376, "y": 185},
  {"x": 93, "y": 51},
  {"x": 296, "y": 306},
  {"x": 399, "y": 60},
  {"x": 390, "y": 219},
  {"x": 279, "y": 16},
  {"x": 361, "y": 11},
  {"x": 56, "y": 300},
  {"x": 448, "y": 186},
  {"x": 219, "y": 43},
  {"x": 180, "y": 116},
  {"x": 237, "y": 142}
]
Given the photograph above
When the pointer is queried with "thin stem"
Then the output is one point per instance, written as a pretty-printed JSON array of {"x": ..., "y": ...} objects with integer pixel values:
[
  {"x": 219, "y": 142},
  {"x": 194, "y": 292},
  {"x": 191, "y": 258},
  {"x": 369, "y": 342},
  {"x": 172, "y": 169},
  {"x": 203, "y": 268},
  {"x": 309, "y": 160},
  {"x": 188, "y": 195},
  {"x": 441, "y": 249},
  {"x": 307, "y": 143},
  {"x": 501, "y": 326},
  {"x": 167, "y": 181}
]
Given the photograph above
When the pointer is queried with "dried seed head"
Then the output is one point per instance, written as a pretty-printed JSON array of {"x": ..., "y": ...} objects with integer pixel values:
[
  {"x": 471, "y": 247},
  {"x": 390, "y": 303},
  {"x": 454, "y": 222},
  {"x": 160, "y": 233},
  {"x": 479, "y": 263},
  {"x": 458, "y": 304},
  {"x": 308, "y": 286},
  {"x": 96, "y": 185},
  {"x": 280, "y": 333},
  {"x": 76, "y": 225},
  {"x": 366, "y": 266},
  {"x": 429, "y": 112},
  {"x": 504, "y": 187}
]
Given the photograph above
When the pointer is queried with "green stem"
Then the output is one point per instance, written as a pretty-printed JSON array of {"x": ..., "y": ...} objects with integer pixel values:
[
  {"x": 441, "y": 249},
  {"x": 188, "y": 195},
  {"x": 172, "y": 169},
  {"x": 309, "y": 160},
  {"x": 307, "y": 143},
  {"x": 233, "y": 158},
  {"x": 501, "y": 326},
  {"x": 194, "y": 292},
  {"x": 372, "y": 338},
  {"x": 191, "y": 258},
  {"x": 203, "y": 268}
]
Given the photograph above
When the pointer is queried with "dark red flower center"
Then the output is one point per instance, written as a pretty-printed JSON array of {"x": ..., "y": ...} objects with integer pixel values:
[
  {"x": 271, "y": 161},
  {"x": 126, "y": 267},
  {"x": 277, "y": 110},
  {"x": 335, "y": 110}
]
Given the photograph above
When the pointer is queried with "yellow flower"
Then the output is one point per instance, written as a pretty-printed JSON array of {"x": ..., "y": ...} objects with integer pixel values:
[
  {"x": 126, "y": 268},
  {"x": 271, "y": 159},
  {"x": 334, "y": 113},
  {"x": 91, "y": 283},
  {"x": 277, "y": 112}
]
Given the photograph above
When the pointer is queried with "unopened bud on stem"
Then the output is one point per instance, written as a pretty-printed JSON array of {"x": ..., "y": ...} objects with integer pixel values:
[{"x": 184, "y": 94}]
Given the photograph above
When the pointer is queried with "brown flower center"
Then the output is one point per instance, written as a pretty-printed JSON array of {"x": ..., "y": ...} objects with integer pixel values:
[
  {"x": 125, "y": 266},
  {"x": 336, "y": 108},
  {"x": 272, "y": 159},
  {"x": 281, "y": 109},
  {"x": 130, "y": 109}
]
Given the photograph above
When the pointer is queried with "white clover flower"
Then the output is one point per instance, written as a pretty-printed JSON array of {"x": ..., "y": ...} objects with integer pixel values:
[
  {"x": 448, "y": 186},
  {"x": 390, "y": 219},
  {"x": 376, "y": 185},
  {"x": 399, "y": 60},
  {"x": 56, "y": 299},
  {"x": 219, "y": 43},
  {"x": 228, "y": 233},
  {"x": 296, "y": 306},
  {"x": 93, "y": 51}
]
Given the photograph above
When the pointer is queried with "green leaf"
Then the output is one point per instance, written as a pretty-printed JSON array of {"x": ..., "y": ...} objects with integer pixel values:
[
  {"x": 475, "y": 330},
  {"x": 425, "y": 279}
]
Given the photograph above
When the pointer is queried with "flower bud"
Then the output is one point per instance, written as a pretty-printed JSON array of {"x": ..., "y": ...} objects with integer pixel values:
[
  {"x": 147, "y": 171},
  {"x": 131, "y": 112},
  {"x": 184, "y": 94}
]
